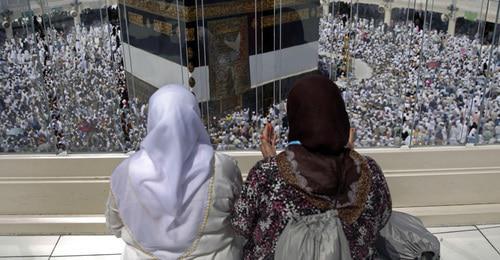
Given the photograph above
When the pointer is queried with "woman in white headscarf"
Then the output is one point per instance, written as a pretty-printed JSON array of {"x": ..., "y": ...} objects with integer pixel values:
[{"x": 172, "y": 198}]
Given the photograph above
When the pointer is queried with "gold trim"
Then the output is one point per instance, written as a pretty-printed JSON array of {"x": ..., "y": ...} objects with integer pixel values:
[
  {"x": 188, "y": 13},
  {"x": 190, "y": 34},
  {"x": 286, "y": 17},
  {"x": 136, "y": 19},
  {"x": 348, "y": 214},
  {"x": 266, "y": 21},
  {"x": 248, "y": 6},
  {"x": 160, "y": 8},
  {"x": 190, "y": 52},
  {"x": 136, "y": 245},
  {"x": 286, "y": 171},
  {"x": 351, "y": 213},
  {"x": 203, "y": 225},
  {"x": 162, "y": 27},
  {"x": 224, "y": 27},
  {"x": 201, "y": 229},
  {"x": 158, "y": 26}
]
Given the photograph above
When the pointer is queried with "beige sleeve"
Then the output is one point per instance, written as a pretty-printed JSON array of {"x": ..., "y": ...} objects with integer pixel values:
[{"x": 113, "y": 220}]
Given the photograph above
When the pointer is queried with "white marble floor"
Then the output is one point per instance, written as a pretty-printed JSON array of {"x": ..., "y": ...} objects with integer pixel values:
[{"x": 457, "y": 243}]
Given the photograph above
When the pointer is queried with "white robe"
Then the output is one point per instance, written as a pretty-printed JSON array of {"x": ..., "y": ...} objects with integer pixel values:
[{"x": 216, "y": 238}]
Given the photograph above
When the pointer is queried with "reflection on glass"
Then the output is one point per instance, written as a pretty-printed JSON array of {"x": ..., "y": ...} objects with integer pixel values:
[
  {"x": 251, "y": 56},
  {"x": 488, "y": 131},
  {"x": 24, "y": 111},
  {"x": 90, "y": 104},
  {"x": 64, "y": 85},
  {"x": 428, "y": 83},
  {"x": 453, "y": 89},
  {"x": 76, "y": 77},
  {"x": 367, "y": 60}
]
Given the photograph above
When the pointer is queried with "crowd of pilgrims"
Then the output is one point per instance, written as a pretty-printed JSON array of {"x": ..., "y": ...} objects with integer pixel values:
[
  {"x": 67, "y": 91},
  {"x": 63, "y": 91},
  {"x": 448, "y": 93},
  {"x": 457, "y": 102},
  {"x": 241, "y": 129}
]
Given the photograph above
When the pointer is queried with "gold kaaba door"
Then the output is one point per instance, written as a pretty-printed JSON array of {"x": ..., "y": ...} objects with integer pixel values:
[{"x": 228, "y": 58}]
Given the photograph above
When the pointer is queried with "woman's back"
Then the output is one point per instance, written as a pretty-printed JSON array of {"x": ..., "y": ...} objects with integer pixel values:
[
  {"x": 172, "y": 198},
  {"x": 215, "y": 239},
  {"x": 316, "y": 173},
  {"x": 270, "y": 198}
]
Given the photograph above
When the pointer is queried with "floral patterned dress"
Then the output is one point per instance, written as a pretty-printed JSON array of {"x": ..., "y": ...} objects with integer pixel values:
[{"x": 270, "y": 197}]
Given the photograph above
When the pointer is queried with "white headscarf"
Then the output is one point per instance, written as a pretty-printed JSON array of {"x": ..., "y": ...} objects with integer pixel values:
[{"x": 162, "y": 190}]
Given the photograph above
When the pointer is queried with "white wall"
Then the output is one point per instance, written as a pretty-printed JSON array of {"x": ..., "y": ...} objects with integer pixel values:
[
  {"x": 275, "y": 65},
  {"x": 159, "y": 71},
  {"x": 48, "y": 194},
  {"x": 153, "y": 69}
]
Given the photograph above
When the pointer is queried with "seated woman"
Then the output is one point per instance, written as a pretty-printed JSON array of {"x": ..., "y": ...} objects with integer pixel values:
[
  {"x": 172, "y": 198},
  {"x": 315, "y": 174}
]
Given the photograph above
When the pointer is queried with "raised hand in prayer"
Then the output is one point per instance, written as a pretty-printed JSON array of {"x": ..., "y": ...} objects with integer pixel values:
[
  {"x": 268, "y": 140},
  {"x": 352, "y": 138}
]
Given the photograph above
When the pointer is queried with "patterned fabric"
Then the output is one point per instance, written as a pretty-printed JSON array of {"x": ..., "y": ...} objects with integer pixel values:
[
  {"x": 352, "y": 208},
  {"x": 267, "y": 202}
]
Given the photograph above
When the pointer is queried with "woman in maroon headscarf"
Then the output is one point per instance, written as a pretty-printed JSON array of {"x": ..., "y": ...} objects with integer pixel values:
[{"x": 316, "y": 173}]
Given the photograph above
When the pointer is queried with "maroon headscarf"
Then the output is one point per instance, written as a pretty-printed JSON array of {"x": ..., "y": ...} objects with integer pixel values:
[
  {"x": 317, "y": 116},
  {"x": 318, "y": 119}
]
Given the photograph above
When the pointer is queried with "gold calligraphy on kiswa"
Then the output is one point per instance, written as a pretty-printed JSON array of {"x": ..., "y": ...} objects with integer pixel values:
[
  {"x": 158, "y": 26},
  {"x": 287, "y": 17},
  {"x": 159, "y": 7},
  {"x": 162, "y": 27},
  {"x": 190, "y": 34},
  {"x": 223, "y": 28},
  {"x": 188, "y": 13},
  {"x": 136, "y": 19}
]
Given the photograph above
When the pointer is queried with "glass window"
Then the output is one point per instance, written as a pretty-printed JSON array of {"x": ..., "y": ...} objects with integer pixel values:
[
  {"x": 361, "y": 48},
  {"x": 488, "y": 125},
  {"x": 455, "y": 79},
  {"x": 28, "y": 112},
  {"x": 76, "y": 76},
  {"x": 91, "y": 102}
]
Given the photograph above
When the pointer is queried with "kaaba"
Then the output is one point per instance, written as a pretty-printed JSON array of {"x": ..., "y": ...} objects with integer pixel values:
[{"x": 222, "y": 35}]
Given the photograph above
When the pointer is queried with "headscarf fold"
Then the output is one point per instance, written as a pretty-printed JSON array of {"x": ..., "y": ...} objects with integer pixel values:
[
  {"x": 318, "y": 119},
  {"x": 162, "y": 190}
]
